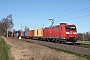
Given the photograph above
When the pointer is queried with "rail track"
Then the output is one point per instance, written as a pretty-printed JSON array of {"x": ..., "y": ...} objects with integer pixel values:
[
  {"x": 79, "y": 45},
  {"x": 73, "y": 44}
]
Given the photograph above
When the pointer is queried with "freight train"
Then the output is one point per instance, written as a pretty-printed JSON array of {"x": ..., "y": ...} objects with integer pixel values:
[{"x": 60, "y": 33}]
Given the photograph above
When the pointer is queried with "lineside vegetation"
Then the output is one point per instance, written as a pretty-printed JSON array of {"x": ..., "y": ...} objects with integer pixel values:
[
  {"x": 83, "y": 42},
  {"x": 4, "y": 50}
]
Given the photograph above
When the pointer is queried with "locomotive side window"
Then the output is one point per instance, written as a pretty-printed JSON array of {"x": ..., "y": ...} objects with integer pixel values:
[{"x": 69, "y": 27}]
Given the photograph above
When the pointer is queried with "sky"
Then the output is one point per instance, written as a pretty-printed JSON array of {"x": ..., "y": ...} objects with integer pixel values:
[{"x": 35, "y": 14}]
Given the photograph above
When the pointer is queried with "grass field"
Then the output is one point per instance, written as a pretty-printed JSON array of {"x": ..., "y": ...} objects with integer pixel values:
[
  {"x": 4, "y": 48},
  {"x": 83, "y": 42}
]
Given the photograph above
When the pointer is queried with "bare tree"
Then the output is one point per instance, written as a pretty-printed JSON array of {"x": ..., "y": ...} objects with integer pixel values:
[
  {"x": 6, "y": 24},
  {"x": 80, "y": 36},
  {"x": 84, "y": 36}
]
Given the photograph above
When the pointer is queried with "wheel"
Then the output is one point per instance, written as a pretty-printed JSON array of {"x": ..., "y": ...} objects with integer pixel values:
[
  {"x": 48, "y": 40},
  {"x": 58, "y": 41},
  {"x": 62, "y": 42}
]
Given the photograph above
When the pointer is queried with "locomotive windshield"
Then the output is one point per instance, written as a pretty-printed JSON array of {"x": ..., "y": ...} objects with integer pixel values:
[{"x": 70, "y": 27}]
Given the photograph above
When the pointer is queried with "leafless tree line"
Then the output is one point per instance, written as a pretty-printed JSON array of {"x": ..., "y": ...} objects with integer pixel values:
[
  {"x": 6, "y": 24},
  {"x": 84, "y": 36}
]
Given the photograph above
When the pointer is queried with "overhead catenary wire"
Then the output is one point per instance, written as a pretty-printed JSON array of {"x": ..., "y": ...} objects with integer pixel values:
[
  {"x": 79, "y": 17},
  {"x": 77, "y": 11},
  {"x": 77, "y": 14},
  {"x": 86, "y": 15},
  {"x": 74, "y": 12},
  {"x": 73, "y": 7}
]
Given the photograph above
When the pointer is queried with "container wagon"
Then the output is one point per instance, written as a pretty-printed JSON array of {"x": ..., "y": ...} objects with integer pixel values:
[
  {"x": 30, "y": 34},
  {"x": 38, "y": 33},
  {"x": 22, "y": 34},
  {"x": 25, "y": 34}
]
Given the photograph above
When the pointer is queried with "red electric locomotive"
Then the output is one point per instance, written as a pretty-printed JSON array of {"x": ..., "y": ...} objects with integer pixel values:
[{"x": 61, "y": 33}]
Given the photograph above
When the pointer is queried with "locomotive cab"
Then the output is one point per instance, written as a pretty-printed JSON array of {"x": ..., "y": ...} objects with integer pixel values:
[
  {"x": 68, "y": 33},
  {"x": 71, "y": 33}
]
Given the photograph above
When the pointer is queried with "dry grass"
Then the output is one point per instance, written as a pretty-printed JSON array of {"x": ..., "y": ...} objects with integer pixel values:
[
  {"x": 36, "y": 52},
  {"x": 22, "y": 50}
]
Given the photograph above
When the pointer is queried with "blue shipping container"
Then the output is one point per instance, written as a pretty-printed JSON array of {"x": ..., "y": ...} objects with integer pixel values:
[{"x": 25, "y": 33}]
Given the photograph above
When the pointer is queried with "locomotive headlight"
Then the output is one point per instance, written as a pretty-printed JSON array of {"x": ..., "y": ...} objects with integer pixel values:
[
  {"x": 74, "y": 33},
  {"x": 63, "y": 38},
  {"x": 67, "y": 32}
]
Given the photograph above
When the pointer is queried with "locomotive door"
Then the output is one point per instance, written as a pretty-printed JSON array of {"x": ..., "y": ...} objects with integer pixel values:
[{"x": 60, "y": 33}]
